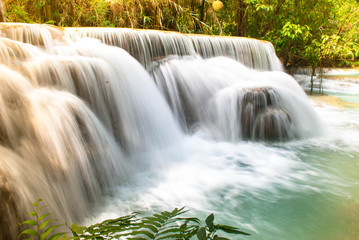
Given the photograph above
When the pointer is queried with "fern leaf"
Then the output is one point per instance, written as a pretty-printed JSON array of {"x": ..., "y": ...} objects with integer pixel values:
[
  {"x": 183, "y": 231},
  {"x": 168, "y": 233},
  {"x": 160, "y": 217},
  {"x": 180, "y": 211},
  {"x": 56, "y": 236},
  {"x": 173, "y": 236},
  {"x": 128, "y": 235},
  {"x": 153, "y": 220},
  {"x": 144, "y": 232},
  {"x": 230, "y": 229},
  {"x": 77, "y": 229},
  {"x": 189, "y": 219},
  {"x": 220, "y": 238}
]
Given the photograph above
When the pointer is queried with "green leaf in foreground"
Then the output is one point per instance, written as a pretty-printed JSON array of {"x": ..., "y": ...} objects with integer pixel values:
[
  {"x": 158, "y": 226},
  {"x": 30, "y": 222},
  {"x": 230, "y": 229},
  {"x": 28, "y": 231},
  {"x": 39, "y": 223}
]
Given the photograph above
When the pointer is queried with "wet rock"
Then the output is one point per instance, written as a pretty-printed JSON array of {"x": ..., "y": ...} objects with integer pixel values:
[
  {"x": 9, "y": 217},
  {"x": 261, "y": 116},
  {"x": 272, "y": 124}
]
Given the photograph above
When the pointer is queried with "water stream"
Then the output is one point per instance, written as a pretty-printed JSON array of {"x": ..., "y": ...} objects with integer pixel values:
[{"x": 212, "y": 124}]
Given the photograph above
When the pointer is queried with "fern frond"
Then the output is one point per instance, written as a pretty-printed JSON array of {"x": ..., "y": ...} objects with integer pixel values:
[{"x": 164, "y": 225}]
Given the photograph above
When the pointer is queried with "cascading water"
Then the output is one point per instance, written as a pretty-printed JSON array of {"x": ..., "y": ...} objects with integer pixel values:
[
  {"x": 94, "y": 132},
  {"x": 74, "y": 147},
  {"x": 231, "y": 102},
  {"x": 149, "y": 45}
]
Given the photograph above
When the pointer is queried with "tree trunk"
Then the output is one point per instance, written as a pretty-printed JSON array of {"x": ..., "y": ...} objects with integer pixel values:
[
  {"x": 201, "y": 16},
  {"x": 312, "y": 80},
  {"x": 2, "y": 12},
  {"x": 193, "y": 9},
  {"x": 241, "y": 18}
]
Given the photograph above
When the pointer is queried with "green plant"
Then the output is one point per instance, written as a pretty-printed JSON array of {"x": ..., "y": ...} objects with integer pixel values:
[
  {"x": 40, "y": 228},
  {"x": 165, "y": 225},
  {"x": 210, "y": 230}
]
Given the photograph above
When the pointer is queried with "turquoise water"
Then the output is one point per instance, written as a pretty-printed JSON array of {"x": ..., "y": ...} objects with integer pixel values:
[{"x": 306, "y": 189}]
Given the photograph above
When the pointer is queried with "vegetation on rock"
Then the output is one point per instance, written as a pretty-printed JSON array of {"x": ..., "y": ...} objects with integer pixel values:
[{"x": 304, "y": 33}]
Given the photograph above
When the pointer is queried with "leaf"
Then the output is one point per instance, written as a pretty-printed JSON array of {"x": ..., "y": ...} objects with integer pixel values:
[
  {"x": 29, "y": 231},
  {"x": 40, "y": 208},
  {"x": 220, "y": 238},
  {"x": 30, "y": 222},
  {"x": 48, "y": 231},
  {"x": 50, "y": 22},
  {"x": 190, "y": 219},
  {"x": 202, "y": 234},
  {"x": 209, "y": 222},
  {"x": 148, "y": 234},
  {"x": 56, "y": 236},
  {"x": 230, "y": 229},
  {"x": 153, "y": 221},
  {"x": 32, "y": 213},
  {"x": 160, "y": 218},
  {"x": 150, "y": 227},
  {"x": 43, "y": 225},
  {"x": 43, "y": 216},
  {"x": 172, "y": 229},
  {"x": 77, "y": 229}
]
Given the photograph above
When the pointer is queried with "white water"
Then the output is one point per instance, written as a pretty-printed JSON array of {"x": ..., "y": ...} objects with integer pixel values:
[
  {"x": 85, "y": 127},
  {"x": 150, "y": 45}
]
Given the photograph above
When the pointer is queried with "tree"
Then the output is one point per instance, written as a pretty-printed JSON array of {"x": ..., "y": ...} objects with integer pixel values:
[
  {"x": 304, "y": 33},
  {"x": 2, "y": 12}
]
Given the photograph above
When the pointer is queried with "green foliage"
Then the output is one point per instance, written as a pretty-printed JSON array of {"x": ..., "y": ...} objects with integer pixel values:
[
  {"x": 296, "y": 32},
  {"x": 164, "y": 225},
  {"x": 40, "y": 228},
  {"x": 210, "y": 230},
  {"x": 305, "y": 33}
]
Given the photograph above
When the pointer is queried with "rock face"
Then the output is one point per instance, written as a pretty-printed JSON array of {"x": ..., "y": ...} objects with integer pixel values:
[
  {"x": 9, "y": 218},
  {"x": 261, "y": 117}
]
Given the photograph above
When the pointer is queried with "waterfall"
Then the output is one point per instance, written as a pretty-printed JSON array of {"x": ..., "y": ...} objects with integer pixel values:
[
  {"x": 151, "y": 45},
  {"x": 231, "y": 102},
  {"x": 52, "y": 145},
  {"x": 79, "y": 114}
]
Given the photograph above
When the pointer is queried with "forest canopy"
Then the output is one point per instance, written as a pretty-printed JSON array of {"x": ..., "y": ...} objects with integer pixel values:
[{"x": 303, "y": 32}]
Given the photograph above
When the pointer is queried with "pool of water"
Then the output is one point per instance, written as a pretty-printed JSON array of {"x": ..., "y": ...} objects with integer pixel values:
[{"x": 304, "y": 189}]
